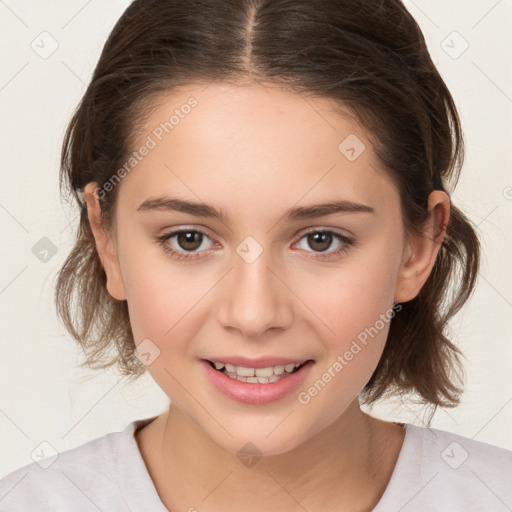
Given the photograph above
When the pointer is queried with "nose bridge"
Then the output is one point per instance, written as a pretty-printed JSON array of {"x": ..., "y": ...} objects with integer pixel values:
[{"x": 256, "y": 299}]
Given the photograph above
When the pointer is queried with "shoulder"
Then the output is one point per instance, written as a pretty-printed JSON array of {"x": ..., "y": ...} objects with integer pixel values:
[
  {"x": 466, "y": 459},
  {"x": 461, "y": 448},
  {"x": 447, "y": 471},
  {"x": 84, "y": 478},
  {"x": 72, "y": 481}
]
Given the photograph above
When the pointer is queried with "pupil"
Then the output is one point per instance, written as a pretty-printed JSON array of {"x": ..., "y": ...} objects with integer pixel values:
[
  {"x": 321, "y": 238},
  {"x": 189, "y": 239}
]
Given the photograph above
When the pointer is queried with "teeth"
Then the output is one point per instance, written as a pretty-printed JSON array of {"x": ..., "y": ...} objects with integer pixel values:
[
  {"x": 255, "y": 375},
  {"x": 264, "y": 372},
  {"x": 256, "y": 380},
  {"x": 278, "y": 370},
  {"x": 245, "y": 372}
]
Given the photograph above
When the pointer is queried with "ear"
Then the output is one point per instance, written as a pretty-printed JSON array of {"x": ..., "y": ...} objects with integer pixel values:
[
  {"x": 105, "y": 244},
  {"x": 421, "y": 251}
]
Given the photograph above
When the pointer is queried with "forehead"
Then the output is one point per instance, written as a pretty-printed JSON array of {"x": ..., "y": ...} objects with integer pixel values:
[
  {"x": 230, "y": 113},
  {"x": 254, "y": 142}
]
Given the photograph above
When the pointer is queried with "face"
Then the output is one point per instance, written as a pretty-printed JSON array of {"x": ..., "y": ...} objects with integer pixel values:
[{"x": 259, "y": 287}]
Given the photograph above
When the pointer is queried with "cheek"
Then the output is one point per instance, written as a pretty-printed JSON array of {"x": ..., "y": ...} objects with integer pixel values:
[
  {"x": 359, "y": 319},
  {"x": 157, "y": 309},
  {"x": 166, "y": 300},
  {"x": 150, "y": 289},
  {"x": 348, "y": 300},
  {"x": 354, "y": 307}
]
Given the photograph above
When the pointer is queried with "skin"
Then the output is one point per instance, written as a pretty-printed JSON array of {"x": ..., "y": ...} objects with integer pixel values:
[{"x": 256, "y": 151}]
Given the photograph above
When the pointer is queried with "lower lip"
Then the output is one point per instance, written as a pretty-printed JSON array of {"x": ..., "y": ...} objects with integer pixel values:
[{"x": 255, "y": 393}]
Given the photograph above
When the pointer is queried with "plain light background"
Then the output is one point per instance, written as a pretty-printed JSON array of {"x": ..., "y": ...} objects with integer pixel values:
[{"x": 46, "y": 397}]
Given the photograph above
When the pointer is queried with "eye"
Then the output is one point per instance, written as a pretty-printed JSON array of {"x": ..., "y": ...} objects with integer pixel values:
[
  {"x": 187, "y": 239},
  {"x": 321, "y": 240},
  {"x": 190, "y": 242}
]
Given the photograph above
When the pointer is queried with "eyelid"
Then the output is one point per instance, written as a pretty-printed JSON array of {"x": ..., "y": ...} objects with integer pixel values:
[
  {"x": 316, "y": 229},
  {"x": 176, "y": 231}
]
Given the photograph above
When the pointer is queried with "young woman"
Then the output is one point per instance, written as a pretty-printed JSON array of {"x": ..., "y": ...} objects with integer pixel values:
[{"x": 267, "y": 230}]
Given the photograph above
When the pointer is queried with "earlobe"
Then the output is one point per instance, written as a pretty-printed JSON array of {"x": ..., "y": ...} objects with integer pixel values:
[
  {"x": 422, "y": 250},
  {"x": 105, "y": 244}
]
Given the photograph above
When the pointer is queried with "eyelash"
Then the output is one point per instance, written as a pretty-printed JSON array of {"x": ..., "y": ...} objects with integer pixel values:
[{"x": 162, "y": 241}]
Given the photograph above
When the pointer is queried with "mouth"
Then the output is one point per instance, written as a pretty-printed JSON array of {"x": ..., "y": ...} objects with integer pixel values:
[
  {"x": 264, "y": 375},
  {"x": 256, "y": 381}
]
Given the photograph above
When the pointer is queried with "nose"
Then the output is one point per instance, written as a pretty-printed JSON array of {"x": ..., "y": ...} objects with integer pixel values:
[{"x": 255, "y": 298}]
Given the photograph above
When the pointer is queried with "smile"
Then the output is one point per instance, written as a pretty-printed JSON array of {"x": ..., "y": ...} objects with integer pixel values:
[
  {"x": 256, "y": 375},
  {"x": 258, "y": 383}
]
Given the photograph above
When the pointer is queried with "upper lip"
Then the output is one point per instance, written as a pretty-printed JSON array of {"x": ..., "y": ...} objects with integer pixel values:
[{"x": 260, "y": 362}]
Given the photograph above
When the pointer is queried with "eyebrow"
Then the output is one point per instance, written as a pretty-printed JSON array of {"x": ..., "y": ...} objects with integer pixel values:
[{"x": 205, "y": 210}]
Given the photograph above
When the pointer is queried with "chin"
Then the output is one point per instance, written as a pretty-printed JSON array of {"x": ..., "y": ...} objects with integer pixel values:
[{"x": 258, "y": 439}]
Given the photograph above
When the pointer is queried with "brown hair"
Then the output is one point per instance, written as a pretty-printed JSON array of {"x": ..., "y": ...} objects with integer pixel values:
[{"x": 368, "y": 55}]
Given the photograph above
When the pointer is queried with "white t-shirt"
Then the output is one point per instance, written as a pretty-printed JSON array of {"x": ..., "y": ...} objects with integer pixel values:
[{"x": 435, "y": 471}]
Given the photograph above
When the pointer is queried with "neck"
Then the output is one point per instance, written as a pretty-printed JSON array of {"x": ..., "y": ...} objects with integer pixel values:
[{"x": 339, "y": 468}]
